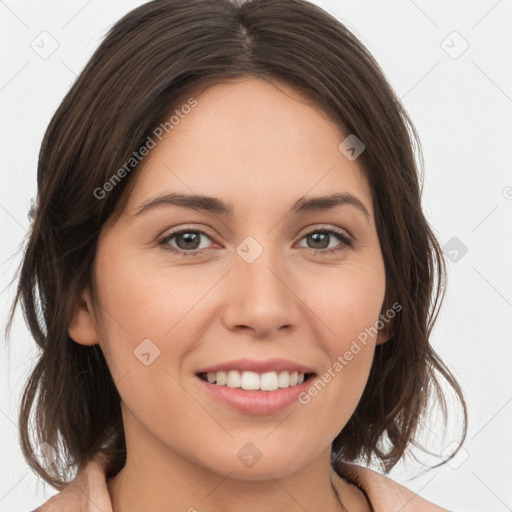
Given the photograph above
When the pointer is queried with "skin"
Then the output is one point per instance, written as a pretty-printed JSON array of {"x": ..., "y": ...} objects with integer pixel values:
[
  {"x": 261, "y": 147},
  {"x": 87, "y": 492}
]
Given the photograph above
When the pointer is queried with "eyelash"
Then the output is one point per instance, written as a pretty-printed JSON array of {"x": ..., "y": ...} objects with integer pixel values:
[{"x": 347, "y": 242}]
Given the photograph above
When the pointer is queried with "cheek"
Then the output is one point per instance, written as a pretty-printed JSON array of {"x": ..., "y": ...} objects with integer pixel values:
[
  {"x": 348, "y": 299},
  {"x": 153, "y": 317},
  {"x": 140, "y": 299},
  {"x": 348, "y": 302},
  {"x": 148, "y": 330}
]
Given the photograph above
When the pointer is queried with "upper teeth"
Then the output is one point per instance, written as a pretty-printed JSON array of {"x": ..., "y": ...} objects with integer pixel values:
[{"x": 268, "y": 381}]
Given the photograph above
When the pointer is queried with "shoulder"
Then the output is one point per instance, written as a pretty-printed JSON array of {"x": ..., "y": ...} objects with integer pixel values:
[
  {"x": 383, "y": 493},
  {"x": 88, "y": 491}
]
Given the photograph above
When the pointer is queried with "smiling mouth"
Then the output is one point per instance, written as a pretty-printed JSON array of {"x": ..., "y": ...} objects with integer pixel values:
[{"x": 253, "y": 381}]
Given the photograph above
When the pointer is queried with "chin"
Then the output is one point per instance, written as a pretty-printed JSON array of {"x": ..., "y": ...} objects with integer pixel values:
[{"x": 250, "y": 463}]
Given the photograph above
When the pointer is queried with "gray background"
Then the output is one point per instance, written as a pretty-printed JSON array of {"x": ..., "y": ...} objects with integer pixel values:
[{"x": 461, "y": 104}]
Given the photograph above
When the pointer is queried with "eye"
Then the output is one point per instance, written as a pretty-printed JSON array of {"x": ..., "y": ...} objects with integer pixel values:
[
  {"x": 320, "y": 239},
  {"x": 188, "y": 241}
]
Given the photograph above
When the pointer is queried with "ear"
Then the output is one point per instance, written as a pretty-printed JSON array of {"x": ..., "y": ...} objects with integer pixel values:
[
  {"x": 382, "y": 337},
  {"x": 82, "y": 327},
  {"x": 386, "y": 333}
]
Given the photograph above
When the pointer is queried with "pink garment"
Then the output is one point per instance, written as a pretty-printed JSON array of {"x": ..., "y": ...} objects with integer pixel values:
[{"x": 384, "y": 494}]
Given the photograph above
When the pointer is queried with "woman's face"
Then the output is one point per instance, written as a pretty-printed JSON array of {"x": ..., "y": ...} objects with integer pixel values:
[{"x": 253, "y": 277}]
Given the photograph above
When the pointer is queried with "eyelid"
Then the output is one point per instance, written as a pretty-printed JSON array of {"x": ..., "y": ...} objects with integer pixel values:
[
  {"x": 326, "y": 227},
  {"x": 165, "y": 238},
  {"x": 346, "y": 239}
]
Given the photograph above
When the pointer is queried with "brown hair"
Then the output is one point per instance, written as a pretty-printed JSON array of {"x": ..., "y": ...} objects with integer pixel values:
[{"x": 148, "y": 61}]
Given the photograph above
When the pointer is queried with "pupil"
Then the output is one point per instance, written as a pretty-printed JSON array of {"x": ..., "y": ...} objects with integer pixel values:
[
  {"x": 190, "y": 238},
  {"x": 323, "y": 236}
]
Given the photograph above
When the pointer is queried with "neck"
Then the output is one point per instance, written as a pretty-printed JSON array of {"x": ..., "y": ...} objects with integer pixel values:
[{"x": 155, "y": 477}]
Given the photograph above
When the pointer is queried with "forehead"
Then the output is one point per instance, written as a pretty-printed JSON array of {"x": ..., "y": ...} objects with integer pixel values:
[{"x": 258, "y": 141}]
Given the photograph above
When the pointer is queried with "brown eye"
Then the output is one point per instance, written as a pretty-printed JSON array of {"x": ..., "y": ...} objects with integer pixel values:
[
  {"x": 186, "y": 241},
  {"x": 320, "y": 239}
]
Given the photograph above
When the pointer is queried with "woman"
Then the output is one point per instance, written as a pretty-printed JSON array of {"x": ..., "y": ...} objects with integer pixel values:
[{"x": 229, "y": 273}]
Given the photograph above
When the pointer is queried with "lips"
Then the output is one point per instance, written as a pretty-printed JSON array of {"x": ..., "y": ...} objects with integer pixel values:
[
  {"x": 256, "y": 387},
  {"x": 249, "y": 399}
]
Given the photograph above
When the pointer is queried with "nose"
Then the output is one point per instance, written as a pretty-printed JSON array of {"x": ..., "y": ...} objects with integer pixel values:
[{"x": 260, "y": 298}]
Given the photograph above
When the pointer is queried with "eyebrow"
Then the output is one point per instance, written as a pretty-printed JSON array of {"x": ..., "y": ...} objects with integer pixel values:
[{"x": 219, "y": 207}]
